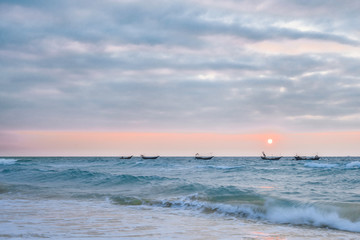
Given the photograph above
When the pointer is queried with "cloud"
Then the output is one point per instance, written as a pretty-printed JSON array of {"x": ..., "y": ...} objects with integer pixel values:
[{"x": 179, "y": 65}]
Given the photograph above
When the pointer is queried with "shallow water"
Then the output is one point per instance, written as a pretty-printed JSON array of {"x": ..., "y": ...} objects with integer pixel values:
[{"x": 179, "y": 198}]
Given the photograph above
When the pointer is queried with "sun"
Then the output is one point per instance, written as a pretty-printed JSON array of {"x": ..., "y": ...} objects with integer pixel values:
[{"x": 269, "y": 141}]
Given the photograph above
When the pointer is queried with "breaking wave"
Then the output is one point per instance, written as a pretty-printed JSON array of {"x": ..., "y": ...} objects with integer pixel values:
[
  {"x": 272, "y": 211},
  {"x": 313, "y": 216}
]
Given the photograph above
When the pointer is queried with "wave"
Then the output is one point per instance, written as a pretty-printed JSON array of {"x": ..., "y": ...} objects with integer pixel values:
[
  {"x": 333, "y": 165},
  {"x": 77, "y": 175},
  {"x": 182, "y": 189},
  {"x": 321, "y": 165},
  {"x": 7, "y": 161},
  {"x": 24, "y": 160},
  {"x": 313, "y": 216},
  {"x": 225, "y": 167},
  {"x": 271, "y": 210},
  {"x": 353, "y": 165},
  {"x": 65, "y": 175},
  {"x": 130, "y": 179},
  {"x": 130, "y": 201}
]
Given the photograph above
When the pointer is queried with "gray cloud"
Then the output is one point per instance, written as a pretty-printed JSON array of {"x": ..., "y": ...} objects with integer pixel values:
[
  {"x": 173, "y": 23},
  {"x": 175, "y": 66}
]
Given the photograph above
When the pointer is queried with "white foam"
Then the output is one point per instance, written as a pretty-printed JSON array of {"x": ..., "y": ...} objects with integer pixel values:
[
  {"x": 298, "y": 215},
  {"x": 353, "y": 165},
  {"x": 7, "y": 161},
  {"x": 320, "y": 165},
  {"x": 309, "y": 215}
]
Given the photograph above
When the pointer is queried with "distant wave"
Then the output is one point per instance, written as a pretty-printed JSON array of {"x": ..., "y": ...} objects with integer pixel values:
[
  {"x": 65, "y": 175},
  {"x": 128, "y": 179},
  {"x": 353, "y": 165},
  {"x": 77, "y": 176},
  {"x": 7, "y": 161},
  {"x": 221, "y": 167},
  {"x": 332, "y": 165},
  {"x": 320, "y": 165}
]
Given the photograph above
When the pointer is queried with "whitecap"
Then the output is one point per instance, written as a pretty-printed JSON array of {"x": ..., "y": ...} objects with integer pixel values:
[
  {"x": 320, "y": 165},
  {"x": 225, "y": 167},
  {"x": 7, "y": 161},
  {"x": 353, "y": 165}
]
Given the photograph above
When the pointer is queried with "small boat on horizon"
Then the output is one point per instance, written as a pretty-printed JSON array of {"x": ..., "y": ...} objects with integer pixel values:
[
  {"x": 126, "y": 157},
  {"x": 197, "y": 156},
  {"x": 297, "y": 157},
  {"x": 269, "y": 158},
  {"x": 149, "y": 157}
]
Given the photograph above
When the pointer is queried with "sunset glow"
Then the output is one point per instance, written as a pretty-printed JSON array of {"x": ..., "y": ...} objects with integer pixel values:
[{"x": 81, "y": 143}]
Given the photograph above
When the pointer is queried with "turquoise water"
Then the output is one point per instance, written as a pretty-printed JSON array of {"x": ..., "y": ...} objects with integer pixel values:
[{"x": 174, "y": 197}]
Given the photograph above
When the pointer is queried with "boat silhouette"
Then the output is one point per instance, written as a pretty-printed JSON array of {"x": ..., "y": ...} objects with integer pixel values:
[
  {"x": 149, "y": 157},
  {"x": 269, "y": 158},
  {"x": 197, "y": 156},
  {"x": 316, "y": 157}
]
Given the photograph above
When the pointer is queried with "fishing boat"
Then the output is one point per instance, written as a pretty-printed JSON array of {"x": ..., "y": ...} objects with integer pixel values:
[
  {"x": 316, "y": 157},
  {"x": 149, "y": 157},
  {"x": 269, "y": 158},
  {"x": 197, "y": 156},
  {"x": 126, "y": 157}
]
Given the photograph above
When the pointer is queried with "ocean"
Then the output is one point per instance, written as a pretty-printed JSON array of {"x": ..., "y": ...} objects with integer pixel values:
[{"x": 179, "y": 198}]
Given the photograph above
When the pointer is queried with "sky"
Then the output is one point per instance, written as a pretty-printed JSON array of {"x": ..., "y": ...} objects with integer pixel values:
[{"x": 119, "y": 77}]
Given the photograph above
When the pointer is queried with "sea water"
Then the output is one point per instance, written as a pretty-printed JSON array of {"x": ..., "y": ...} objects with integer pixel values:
[{"x": 179, "y": 198}]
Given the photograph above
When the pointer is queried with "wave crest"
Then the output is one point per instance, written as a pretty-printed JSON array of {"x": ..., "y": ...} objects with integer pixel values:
[
  {"x": 320, "y": 165},
  {"x": 353, "y": 165},
  {"x": 313, "y": 216},
  {"x": 273, "y": 211},
  {"x": 7, "y": 161}
]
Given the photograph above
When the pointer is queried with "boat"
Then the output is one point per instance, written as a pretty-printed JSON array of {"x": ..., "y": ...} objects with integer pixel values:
[
  {"x": 149, "y": 157},
  {"x": 197, "y": 156},
  {"x": 126, "y": 157},
  {"x": 316, "y": 157},
  {"x": 269, "y": 158}
]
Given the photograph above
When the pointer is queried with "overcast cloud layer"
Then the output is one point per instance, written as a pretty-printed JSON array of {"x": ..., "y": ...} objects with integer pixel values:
[{"x": 225, "y": 66}]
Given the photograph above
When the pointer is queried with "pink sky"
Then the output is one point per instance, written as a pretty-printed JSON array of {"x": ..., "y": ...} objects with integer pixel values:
[
  {"x": 177, "y": 77},
  {"x": 68, "y": 143}
]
